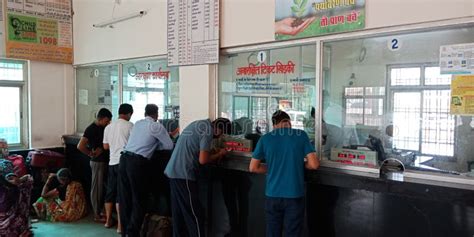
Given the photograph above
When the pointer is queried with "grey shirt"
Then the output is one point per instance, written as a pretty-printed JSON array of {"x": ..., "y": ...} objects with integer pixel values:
[{"x": 184, "y": 161}]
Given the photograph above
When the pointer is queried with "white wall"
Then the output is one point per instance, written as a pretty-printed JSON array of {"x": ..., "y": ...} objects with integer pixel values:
[
  {"x": 196, "y": 89},
  {"x": 139, "y": 37},
  {"x": 52, "y": 103}
]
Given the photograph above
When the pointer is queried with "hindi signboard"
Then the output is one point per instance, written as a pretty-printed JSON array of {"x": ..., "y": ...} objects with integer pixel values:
[
  {"x": 307, "y": 18},
  {"x": 39, "y": 30}
]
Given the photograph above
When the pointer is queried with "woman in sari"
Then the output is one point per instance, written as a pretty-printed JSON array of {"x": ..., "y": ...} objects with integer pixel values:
[
  {"x": 14, "y": 202},
  {"x": 62, "y": 199}
]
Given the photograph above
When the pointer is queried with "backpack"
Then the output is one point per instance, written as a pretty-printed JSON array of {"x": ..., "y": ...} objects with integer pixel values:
[{"x": 156, "y": 226}]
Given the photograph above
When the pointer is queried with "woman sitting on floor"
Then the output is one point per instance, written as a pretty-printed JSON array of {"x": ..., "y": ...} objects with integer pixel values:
[
  {"x": 14, "y": 202},
  {"x": 62, "y": 199}
]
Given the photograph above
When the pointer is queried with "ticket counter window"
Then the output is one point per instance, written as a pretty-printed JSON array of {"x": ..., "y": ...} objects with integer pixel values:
[
  {"x": 386, "y": 97},
  {"x": 253, "y": 85},
  {"x": 148, "y": 82},
  {"x": 139, "y": 83},
  {"x": 97, "y": 87}
]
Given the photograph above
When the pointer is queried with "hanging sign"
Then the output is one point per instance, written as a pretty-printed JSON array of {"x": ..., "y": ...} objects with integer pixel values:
[
  {"x": 39, "y": 30},
  {"x": 307, "y": 18}
]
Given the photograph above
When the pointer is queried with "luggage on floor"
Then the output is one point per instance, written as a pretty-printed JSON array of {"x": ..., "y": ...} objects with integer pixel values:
[
  {"x": 156, "y": 226},
  {"x": 18, "y": 164},
  {"x": 46, "y": 159}
]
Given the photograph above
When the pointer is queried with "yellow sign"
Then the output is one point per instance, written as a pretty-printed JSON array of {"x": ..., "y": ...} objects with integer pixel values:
[{"x": 462, "y": 95}]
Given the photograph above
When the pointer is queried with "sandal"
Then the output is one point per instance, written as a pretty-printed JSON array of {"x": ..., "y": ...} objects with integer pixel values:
[
  {"x": 112, "y": 224},
  {"x": 100, "y": 220}
]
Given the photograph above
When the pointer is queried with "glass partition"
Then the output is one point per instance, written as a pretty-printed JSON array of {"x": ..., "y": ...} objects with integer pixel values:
[
  {"x": 141, "y": 83},
  {"x": 148, "y": 82},
  {"x": 385, "y": 97},
  {"x": 97, "y": 87},
  {"x": 253, "y": 85}
]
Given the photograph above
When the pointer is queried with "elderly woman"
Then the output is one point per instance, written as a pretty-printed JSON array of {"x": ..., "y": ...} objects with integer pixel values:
[
  {"x": 62, "y": 199},
  {"x": 14, "y": 202}
]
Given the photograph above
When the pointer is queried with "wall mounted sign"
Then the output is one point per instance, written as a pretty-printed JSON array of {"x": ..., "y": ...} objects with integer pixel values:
[
  {"x": 193, "y": 32},
  {"x": 39, "y": 30},
  {"x": 462, "y": 95},
  {"x": 457, "y": 59},
  {"x": 307, "y": 18}
]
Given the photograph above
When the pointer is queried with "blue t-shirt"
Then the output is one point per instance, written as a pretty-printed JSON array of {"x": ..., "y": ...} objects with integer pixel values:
[
  {"x": 184, "y": 162},
  {"x": 284, "y": 150}
]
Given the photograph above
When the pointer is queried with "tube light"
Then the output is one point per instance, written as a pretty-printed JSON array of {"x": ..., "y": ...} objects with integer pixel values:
[{"x": 119, "y": 19}]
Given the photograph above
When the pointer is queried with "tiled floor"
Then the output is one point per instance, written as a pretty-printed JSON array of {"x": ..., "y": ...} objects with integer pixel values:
[{"x": 85, "y": 227}]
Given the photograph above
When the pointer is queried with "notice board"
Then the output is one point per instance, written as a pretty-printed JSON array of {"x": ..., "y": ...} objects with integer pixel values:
[
  {"x": 193, "y": 32},
  {"x": 39, "y": 30}
]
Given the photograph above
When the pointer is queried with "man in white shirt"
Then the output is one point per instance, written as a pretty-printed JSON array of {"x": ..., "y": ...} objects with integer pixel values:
[{"x": 115, "y": 138}]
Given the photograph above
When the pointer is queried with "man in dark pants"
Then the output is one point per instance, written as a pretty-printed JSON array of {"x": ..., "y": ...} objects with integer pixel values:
[
  {"x": 192, "y": 150},
  {"x": 115, "y": 138},
  {"x": 284, "y": 149},
  {"x": 91, "y": 145},
  {"x": 147, "y": 135}
]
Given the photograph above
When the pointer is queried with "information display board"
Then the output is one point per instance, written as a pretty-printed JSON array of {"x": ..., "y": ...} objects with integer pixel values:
[
  {"x": 39, "y": 30},
  {"x": 193, "y": 32},
  {"x": 457, "y": 59}
]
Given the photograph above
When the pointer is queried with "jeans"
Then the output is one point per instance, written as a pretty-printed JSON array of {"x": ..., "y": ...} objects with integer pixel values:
[{"x": 284, "y": 214}]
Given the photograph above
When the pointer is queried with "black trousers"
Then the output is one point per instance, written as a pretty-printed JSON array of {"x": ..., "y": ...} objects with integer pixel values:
[
  {"x": 133, "y": 193},
  {"x": 188, "y": 218}
]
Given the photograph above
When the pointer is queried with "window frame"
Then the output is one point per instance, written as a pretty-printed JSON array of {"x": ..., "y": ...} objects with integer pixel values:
[
  {"x": 23, "y": 86},
  {"x": 390, "y": 90},
  {"x": 364, "y": 97}
]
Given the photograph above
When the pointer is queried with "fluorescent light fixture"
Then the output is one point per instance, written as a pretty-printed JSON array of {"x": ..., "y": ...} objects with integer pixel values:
[{"x": 119, "y": 19}]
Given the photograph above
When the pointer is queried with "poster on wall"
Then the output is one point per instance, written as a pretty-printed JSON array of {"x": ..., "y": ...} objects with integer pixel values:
[
  {"x": 193, "y": 32},
  {"x": 307, "y": 18},
  {"x": 462, "y": 95},
  {"x": 39, "y": 30},
  {"x": 457, "y": 59}
]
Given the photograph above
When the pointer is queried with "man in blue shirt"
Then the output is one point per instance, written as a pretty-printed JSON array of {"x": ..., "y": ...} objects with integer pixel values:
[
  {"x": 193, "y": 149},
  {"x": 147, "y": 135},
  {"x": 284, "y": 150}
]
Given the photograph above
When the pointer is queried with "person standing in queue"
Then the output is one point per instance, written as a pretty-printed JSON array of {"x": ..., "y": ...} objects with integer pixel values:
[
  {"x": 284, "y": 150},
  {"x": 115, "y": 138},
  {"x": 147, "y": 135},
  {"x": 192, "y": 149},
  {"x": 91, "y": 145}
]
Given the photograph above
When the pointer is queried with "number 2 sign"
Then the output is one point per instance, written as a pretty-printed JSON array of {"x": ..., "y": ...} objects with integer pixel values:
[{"x": 394, "y": 44}]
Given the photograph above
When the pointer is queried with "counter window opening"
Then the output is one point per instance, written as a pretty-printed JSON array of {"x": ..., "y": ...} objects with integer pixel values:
[
  {"x": 383, "y": 103},
  {"x": 135, "y": 82},
  {"x": 253, "y": 85}
]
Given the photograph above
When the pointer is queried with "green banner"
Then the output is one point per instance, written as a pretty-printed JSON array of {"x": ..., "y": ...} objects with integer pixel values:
[
  {"x": 307, "y": 18},
  {"x": 22, "y": 28}
]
